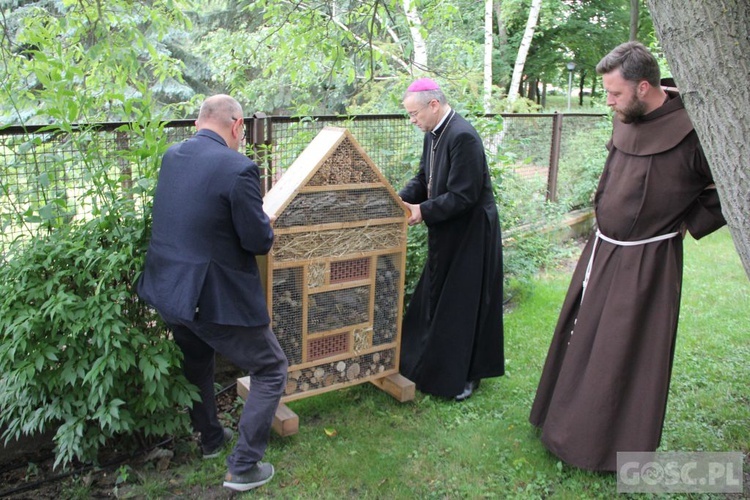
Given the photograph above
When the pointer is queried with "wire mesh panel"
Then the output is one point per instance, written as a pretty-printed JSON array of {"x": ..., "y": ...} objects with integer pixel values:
[
  {"x": 336, "y": 266},
  {"x": 524, "y": 141},
  {"x": 50, "y": 178},
  {"x": 386, "y": 309},
  {"x": 344, "y": 205},
  {"x": 336, "y": 242},
  {"x": 390, "y": 140},
  {"x": 582, "y": 157},
  {"x": 343, "y": 166},
  {"x": 338, "y": 308},
  {"x": 287, "y": 311}
]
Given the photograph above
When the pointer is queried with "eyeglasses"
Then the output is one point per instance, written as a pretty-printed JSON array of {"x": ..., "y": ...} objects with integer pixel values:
[
  {"x": 243, "y": 123},
  {"x": 413, "y": 114},
  {"x": 243, "y": 137}
]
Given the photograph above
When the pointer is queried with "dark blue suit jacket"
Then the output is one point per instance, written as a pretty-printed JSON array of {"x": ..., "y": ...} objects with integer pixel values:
[{"x": 208, "y": 226}]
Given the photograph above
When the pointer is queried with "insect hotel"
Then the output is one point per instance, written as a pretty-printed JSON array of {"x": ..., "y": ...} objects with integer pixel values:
[{"x": 334, "y": 279}]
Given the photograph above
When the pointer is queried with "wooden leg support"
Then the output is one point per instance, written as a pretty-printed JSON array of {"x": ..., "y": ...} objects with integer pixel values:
[
  {"x": 285, "y": 421},
  {"x": 397, "y": 386}
]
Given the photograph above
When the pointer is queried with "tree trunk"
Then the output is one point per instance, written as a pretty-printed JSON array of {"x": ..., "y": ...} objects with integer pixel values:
[
  {"x": 523, "y": 50},
  {"x": 487, "y": 55},
  {"x": 501, "y": 41},
  {"x": 581, "y": 83},
  {"x": 593, "y": 86},
  {"x": 708, "y": 49},
  {"x": 634, "y": 7}
]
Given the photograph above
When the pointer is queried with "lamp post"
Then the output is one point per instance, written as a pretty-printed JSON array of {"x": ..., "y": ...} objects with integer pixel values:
[{"x": 571, "y": 66}]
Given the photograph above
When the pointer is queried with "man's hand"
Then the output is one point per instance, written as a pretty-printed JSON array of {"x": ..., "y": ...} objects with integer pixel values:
[{"x": 416, "y": 214}]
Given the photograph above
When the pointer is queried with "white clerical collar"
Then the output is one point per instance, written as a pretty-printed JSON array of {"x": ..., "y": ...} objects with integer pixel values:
[{"x": 442, "y": 120}]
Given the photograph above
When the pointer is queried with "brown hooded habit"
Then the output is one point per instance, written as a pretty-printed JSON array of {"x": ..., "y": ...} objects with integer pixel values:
[{"x": 605, "y": 382}]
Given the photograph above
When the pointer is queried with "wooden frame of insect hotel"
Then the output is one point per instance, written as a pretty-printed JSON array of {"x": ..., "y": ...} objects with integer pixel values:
[{"x": 334, "y": 278}]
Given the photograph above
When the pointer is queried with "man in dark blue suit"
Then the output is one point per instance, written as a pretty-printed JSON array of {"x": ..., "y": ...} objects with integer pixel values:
[{"x": 202, "y": 278}]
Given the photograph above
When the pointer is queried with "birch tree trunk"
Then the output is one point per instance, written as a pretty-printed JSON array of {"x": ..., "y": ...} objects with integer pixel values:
[
  {"x": 523, "y": 50},
  {"x": 708, "y": 49},
  {"x": 487, "y": 55}
]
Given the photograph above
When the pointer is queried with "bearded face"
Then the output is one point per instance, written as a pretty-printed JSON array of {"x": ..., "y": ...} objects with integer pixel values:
[{"x": 630, "y": 111}]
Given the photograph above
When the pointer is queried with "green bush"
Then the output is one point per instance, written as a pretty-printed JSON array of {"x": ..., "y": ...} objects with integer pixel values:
[
  {"x": 520, "y": 202},
  {"x": 79, "y": 352},
  {"x": 416, "y": 256},
  {"x": 581, "y": 165}
]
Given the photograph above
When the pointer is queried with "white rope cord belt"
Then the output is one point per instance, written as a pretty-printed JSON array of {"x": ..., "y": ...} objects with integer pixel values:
[{"x": 599, "y": 236}]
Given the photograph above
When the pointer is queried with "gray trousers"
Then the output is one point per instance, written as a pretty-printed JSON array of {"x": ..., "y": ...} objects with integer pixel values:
[{"x": 256, "y": 351}]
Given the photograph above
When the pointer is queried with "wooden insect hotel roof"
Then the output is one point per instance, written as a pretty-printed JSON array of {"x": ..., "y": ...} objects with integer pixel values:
[{"x": 334, "y": 279}]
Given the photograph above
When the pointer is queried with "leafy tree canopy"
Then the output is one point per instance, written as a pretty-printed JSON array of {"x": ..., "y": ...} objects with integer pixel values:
[
  {"x": 66, "y": 62},
  {"x": 280, "y": 57}
]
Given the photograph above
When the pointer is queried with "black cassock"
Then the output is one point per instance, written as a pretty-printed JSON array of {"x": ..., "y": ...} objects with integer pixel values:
[{"x": 453, "y": 327}]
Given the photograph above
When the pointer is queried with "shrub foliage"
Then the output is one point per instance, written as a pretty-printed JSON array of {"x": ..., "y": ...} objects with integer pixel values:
[{"x": 79, "y": 352}]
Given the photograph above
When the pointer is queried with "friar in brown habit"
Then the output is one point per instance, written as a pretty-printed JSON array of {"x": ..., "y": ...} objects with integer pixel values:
[{"x": 605, "y": 382}]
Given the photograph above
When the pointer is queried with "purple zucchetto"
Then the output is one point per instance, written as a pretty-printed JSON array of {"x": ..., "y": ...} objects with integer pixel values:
[{"x": 423, "y": 84}]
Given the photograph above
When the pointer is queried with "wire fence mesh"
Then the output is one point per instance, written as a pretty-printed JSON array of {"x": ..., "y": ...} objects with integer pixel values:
[{"x": 49, "y": 177}]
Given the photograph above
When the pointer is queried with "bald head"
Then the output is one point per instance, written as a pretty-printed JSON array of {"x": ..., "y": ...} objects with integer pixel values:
[{"x": 222, "y": 114}]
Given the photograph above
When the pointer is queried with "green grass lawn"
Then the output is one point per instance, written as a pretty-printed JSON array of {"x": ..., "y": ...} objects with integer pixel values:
[
  {"x": 559, "y": 103},
  {"x": 361, "y": 443}
]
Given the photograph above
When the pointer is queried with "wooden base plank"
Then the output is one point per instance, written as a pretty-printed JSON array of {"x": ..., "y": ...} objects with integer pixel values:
[
  {"x": 397, "y": 386},
  {"x": 285, "y": 421}
]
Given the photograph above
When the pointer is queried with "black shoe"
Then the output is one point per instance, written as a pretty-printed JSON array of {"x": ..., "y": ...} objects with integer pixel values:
[
  {"x": 469, "y": 389},
  {"x": 259, "y": 475},
  {"x": 215, "y": 451}
]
